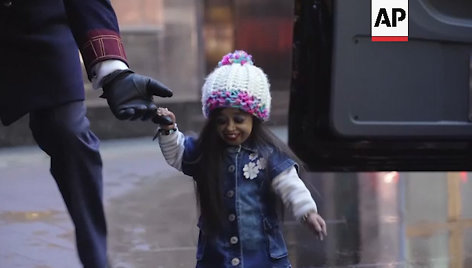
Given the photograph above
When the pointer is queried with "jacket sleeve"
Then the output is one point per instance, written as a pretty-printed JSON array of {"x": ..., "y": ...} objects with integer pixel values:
[
  {"x": 172, "y": 147},
  {"x": 294, "y": 193},
  {"x": 96, "y": 31}
]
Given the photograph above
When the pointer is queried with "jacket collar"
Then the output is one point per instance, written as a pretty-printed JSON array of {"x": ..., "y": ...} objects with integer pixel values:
[{"x": 243, "y": 146}]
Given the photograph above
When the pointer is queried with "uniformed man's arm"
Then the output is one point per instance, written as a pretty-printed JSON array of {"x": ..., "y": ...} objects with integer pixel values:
[{"x": 95, "y": 29}]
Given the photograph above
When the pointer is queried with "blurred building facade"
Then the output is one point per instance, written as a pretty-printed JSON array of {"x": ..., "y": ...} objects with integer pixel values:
[{"x": 178, "y": 42}]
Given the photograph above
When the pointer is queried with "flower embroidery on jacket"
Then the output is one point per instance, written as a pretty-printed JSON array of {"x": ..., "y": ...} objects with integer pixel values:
[
  {"x": 251, "y": 169},
  {"x": 261, "y": 163},
  {"x": 253, "y": 156}
]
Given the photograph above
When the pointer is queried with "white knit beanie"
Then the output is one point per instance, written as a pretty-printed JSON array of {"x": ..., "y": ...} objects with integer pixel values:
[{"x": 237, "y": 83}]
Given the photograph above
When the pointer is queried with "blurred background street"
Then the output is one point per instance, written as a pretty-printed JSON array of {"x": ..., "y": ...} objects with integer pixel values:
[
  {"x": 383, "y": 219},
  {"x": 375, "y": 219},
  {"x": 150, "y": 210}
]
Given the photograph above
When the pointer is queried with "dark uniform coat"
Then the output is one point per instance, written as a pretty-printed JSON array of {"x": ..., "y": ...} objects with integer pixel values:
[
  {"x": 39, "y": 43},
  {"x": 41, "y": 74}
]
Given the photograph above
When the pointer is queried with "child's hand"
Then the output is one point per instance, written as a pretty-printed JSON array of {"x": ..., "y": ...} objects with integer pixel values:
[
  {"x": 317, "y": 224},
  {"x": 164, "y": 112},
  {"x": 163, "y": 120}
]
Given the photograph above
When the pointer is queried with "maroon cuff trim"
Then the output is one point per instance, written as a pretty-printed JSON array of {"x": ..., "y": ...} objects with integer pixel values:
[{"x": 102, "y": 45}]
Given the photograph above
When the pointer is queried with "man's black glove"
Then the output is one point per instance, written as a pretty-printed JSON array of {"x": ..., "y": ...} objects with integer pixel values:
[{"x": 129, "y": 95}]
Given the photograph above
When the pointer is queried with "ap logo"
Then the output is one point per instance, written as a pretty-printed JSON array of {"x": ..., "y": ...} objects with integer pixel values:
[{"x": 389, "y": 20}]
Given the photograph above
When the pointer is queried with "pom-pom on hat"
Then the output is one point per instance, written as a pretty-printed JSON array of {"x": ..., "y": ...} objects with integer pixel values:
[{"x": 237, "y": 83}]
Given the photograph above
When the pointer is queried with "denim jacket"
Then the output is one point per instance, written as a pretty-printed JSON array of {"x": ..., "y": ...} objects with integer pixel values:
[{"x": 251, "y": 235}]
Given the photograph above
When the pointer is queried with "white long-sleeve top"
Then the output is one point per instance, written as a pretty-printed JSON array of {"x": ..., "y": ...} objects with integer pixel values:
[{"x": 287, "y": 185}]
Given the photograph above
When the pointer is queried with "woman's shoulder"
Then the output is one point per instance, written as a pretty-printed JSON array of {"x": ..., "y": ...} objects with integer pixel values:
[
  {"x": 277, "y": 159},
  {"x": 272, "y": 153}
]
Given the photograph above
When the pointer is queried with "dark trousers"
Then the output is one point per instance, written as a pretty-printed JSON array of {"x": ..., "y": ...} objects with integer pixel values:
[{"x": 63, "y": 133}]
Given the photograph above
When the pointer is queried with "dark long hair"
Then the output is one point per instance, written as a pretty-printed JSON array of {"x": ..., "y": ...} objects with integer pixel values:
[{"x": 209, "y": 177}]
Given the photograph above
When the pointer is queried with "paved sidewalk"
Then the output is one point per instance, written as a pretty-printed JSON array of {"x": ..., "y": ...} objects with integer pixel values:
[
  {"x": 151, "y": 213},
  {"x": 150, "y": 210},
  {"x": 150, "y": 207}
]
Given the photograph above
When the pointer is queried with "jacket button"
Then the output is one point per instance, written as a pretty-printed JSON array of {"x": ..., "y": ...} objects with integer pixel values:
[
  {"x": 231, "y": 168},
  {"x": 230, "y": 193},
  {"x": 7, "y": 3},
  {"x": 231, "y": 217},
  {"x": 235, "y": 261},
  {"x": 233, "y": 240}
]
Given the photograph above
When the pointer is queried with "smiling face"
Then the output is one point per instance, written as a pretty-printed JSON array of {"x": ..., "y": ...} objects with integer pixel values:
[{"x": 233, "y": 125}]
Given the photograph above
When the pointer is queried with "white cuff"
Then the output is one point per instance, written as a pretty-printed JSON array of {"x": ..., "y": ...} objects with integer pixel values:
[{"x": 105, "y": 68}]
